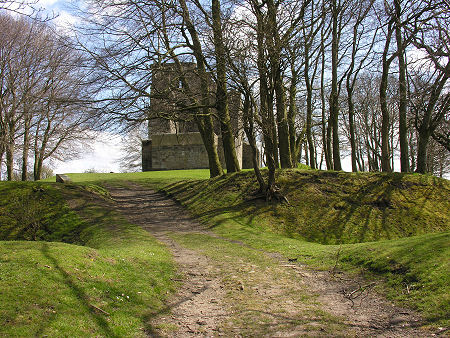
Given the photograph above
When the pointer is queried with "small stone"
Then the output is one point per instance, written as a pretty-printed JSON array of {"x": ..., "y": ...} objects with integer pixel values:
[{"x": 60, "y": 178}]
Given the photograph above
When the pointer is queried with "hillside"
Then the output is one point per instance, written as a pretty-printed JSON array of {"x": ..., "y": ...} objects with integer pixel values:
[
  {"x": 402, "y": 221},
  {"x": 330, "y": 207},
  {"x": 391, "y": 228}
]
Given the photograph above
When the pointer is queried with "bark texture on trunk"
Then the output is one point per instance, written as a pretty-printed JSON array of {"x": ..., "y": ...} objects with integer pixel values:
[
  {"x": 26, "y": 148},
  {"x": 334, "y": 104},
  {"x": 229, "y": 149},
  {"x": 385, "y": 151},
  {"x": 204, "y": 122},
  {"x": 282, "y": 122},
  {"x": 402, "y": 109}
]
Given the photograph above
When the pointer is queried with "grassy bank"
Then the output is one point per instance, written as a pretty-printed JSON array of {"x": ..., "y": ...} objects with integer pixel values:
[
  {"x": 403, "y": 220},
  {"x": 329, "y": 207},
  {"x": 109, "y": 282},
  {"x": 393, "y": 227}
]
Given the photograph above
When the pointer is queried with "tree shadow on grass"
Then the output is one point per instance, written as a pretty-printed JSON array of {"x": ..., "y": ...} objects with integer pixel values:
[
  {"x": 102, "y": 324},
  {"x": 361, "y": 211}
]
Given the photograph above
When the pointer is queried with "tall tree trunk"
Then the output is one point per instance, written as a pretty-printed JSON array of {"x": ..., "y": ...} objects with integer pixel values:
[
  {"x": 326, "y": 141},
  {"x": 350, "y": 83},
  {"x": 282, "y": 121},
  {"x": 281, "y": 133},
  {"x": 2, "y": 152},
  {"x": 205, "y": 126},
  {"x": 9, "y": 162},
  {"x": 249, "y": 129},
  {"x": 307, "y": 161},
  {"x": 351, "y": 123},
  {"x": 326, "y": 130},
  {"x": 10, "y": 155},
  {"x": 429, "y": 123},
  {"x": 334, "y": 104},
  {"x": 291, "y": 117},
  {"x": 38, "y": 169},
  {"x": 329, "y": 141},
  {"x": 403, "y": 127},
  {"x": 204, "y": 122},
  {"x": 229, "y": 148},
  {"x": 273, "y": 126},
  {"x": 26, "y": 146},
  {"x": 2, "y": 143},
  {"x": 309, "y": 109},
  {"x": 266, "y": 101},
  {"x": 422, "y": 147},
  {"x": 36, "y": 172},
  {"x": 385, "y": 123}
]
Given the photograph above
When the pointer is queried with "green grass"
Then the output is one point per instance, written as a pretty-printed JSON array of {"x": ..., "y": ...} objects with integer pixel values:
[
  {"x": 393, "y": 227},
  {"x": 110, "y": 284},
  {"x": 169, "y": 175},
  {"x": 416, "y": 270},
  {"x": 328, "y": 207}
]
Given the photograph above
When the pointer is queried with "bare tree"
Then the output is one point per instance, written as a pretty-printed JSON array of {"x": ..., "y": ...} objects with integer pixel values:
[
  {"x": 431, "y": 96},
  {"x": 44, "y": 96},
  {"x": 221, "y": 91},
  {"x": 363, "y": 38}
]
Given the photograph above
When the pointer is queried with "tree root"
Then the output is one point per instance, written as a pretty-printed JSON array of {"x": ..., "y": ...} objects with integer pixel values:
[{"x": 270, "y": 194}]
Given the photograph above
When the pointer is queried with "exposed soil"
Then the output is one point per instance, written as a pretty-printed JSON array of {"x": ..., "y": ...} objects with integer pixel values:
[{"x": 239, "y": 296}]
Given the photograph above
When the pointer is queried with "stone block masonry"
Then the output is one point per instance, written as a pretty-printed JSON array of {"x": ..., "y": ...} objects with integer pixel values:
[
  {"x": 185, "y": 151},
  {"x": 174, "y": 141},
  {"x": 146, "y": 155},
  {"x": 178, "y": 151}
]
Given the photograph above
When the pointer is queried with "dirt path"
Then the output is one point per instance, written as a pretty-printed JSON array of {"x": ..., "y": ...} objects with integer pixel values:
[{"x": 229, "y": 289}]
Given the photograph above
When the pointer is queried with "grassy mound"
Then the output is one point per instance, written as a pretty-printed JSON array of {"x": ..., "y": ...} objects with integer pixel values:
[
  {"x": 330, "y": 207},
  {"x": 109, "y": 286}
]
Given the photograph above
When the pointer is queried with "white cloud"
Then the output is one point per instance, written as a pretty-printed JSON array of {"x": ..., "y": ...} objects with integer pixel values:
[
  {"x": 104, "y": 157},
  {"x": 65, "y": 20},
  {"x": 47, "y": 3}
]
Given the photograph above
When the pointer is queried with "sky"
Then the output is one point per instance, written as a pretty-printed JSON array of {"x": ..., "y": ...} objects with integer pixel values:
[
  {"x": 104, "y": 157},
  {"x": 106, "y": 153}
]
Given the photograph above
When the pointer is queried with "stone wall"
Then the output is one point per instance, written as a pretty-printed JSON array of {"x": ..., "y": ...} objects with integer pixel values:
[
  {"x": 168, "y": 95},
  {"x": 146, "y": 155},
  {"x": 247, "y": 162},
  {"x": 174, "y": 141},
  {"x": 186, "y": 151},
  {"x": 178, "y": 151}
]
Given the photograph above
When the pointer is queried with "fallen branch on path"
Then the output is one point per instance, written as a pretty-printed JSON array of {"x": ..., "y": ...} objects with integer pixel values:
[{"x": 359, "y": 292}]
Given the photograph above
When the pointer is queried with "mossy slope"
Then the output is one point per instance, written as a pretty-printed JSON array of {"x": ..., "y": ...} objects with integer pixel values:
[{"x": 331, "y": 207}]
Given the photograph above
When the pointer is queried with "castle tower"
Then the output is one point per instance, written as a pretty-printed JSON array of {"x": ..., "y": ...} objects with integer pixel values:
[{"x": 174, "y": 141}]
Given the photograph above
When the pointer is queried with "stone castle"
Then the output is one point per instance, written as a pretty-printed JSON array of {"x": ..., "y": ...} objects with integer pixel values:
[{"x": 174, "y": 141}]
